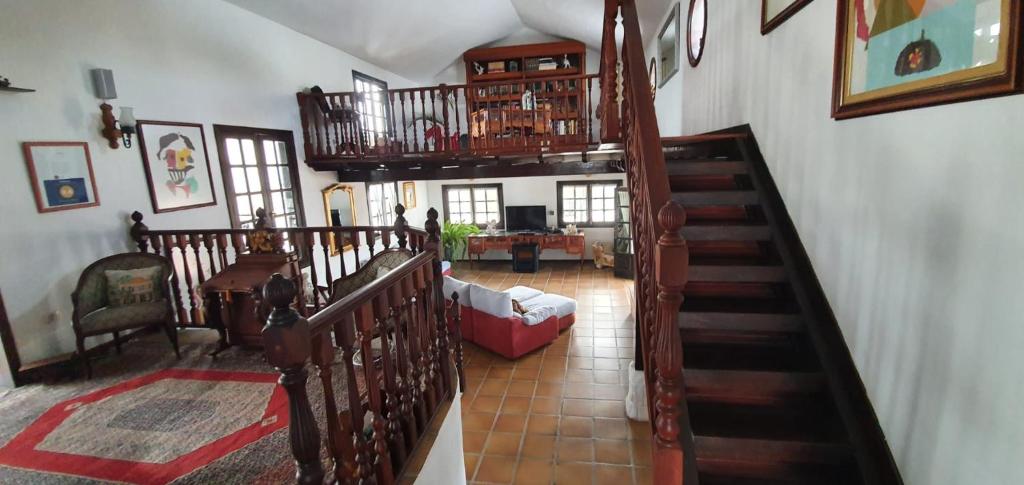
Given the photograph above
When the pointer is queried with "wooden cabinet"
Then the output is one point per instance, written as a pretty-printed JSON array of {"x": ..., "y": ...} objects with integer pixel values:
[{"x": 478, "y": 244}]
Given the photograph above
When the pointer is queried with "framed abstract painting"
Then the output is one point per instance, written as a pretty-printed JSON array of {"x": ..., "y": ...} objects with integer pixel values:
[
  {"x": 61, "y": 175},
  {"x": 901, "y": 54},
  {"x": 775, "y": 12},
  {"x": 177, "y": 165}
]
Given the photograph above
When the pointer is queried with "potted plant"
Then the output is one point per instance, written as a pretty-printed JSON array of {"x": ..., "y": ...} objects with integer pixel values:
[{"x": 454, "y": 238}]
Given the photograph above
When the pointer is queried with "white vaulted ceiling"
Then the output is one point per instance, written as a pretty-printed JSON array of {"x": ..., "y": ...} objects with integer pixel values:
[{"x": 418, "y": 38}]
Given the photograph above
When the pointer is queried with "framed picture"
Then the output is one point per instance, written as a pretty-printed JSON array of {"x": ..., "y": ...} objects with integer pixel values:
[
  {"x": 668, "y": 47},
  {"x": 61, "y": 175},
  {"x": 177, "y": 165},
  {"x": 775, "y": 12},
  {"x": 409, "y": 194},
  {"x": 900, "y": 54}
]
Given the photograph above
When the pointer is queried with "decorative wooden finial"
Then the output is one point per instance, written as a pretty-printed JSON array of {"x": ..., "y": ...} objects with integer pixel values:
[
  {"x": 280, "y": 292},
  {"x": 672, "y": 217},
  {"x": 400, "y": 210},
  {"x": 432, "y": 227},
  {"x": 138, "y": 230}
]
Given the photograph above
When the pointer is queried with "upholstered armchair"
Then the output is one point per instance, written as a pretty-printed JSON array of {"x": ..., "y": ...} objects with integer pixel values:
[{"x": 93, "y": 313}]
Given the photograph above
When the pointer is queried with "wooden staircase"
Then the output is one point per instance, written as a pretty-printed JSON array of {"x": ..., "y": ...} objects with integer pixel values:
[{"x": 770, "y": 392}]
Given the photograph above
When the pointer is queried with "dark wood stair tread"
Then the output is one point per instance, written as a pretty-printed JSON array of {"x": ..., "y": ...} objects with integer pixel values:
[
  {"x": 754, "y": 232},
  {"x": 767, "y": 458},
  {"x": 708, "y": 167},
  {"x": 712, "y": 182},
  {"x": 740, "y": 322},
  {"x": 750, "y": 387},
  {"x": 738, "y": 274},
  {"x": 722, "y": 197}
]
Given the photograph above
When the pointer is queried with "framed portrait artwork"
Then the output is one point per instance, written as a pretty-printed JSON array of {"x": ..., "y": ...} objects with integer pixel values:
[
  {"x": 61, "y": 175},
  {"x": 900, "y": 54},
  {"x": 775, "y": 12},
  {"x": 177, "y": 165},
  {"x": 409, "y": 194}
]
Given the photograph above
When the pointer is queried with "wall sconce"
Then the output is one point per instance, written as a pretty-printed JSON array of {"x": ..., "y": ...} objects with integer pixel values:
[{"x": 103, "y": 82}]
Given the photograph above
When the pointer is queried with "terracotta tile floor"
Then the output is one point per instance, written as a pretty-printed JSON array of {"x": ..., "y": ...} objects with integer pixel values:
[{"x": 556, "y": 415}]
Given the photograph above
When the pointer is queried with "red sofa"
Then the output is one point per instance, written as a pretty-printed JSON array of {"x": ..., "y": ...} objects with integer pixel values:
[{"x": 489, "y": 321}]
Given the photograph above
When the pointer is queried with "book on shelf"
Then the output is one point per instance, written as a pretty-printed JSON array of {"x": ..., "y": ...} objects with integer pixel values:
[{"x": 496, "y": 66}]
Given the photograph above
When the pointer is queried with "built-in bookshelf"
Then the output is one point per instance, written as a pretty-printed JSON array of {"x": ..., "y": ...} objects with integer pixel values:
[{"x": 530, "y": 91}]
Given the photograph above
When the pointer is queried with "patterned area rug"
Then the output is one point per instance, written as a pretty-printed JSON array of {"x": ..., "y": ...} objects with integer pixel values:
[
  {"x": 206, "y": 420},
  {"x": 152, "y": 429}
]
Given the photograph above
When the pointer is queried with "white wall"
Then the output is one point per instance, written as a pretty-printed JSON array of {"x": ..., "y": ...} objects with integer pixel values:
[
  {"x": 913, "y": 224},
  {"x": 445, "y": 462},
  {"x": 178, "y": 60},
  {"x": 534, "y": 191}
]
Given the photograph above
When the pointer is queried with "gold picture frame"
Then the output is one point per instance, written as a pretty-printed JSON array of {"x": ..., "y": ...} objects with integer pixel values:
[
  {"x": 329, "y": 214},
  {"x": 409, "y": 194}
]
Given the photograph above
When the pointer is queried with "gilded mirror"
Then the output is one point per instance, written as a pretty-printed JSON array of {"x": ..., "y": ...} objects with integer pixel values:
[{"x": 340, "y": 211}]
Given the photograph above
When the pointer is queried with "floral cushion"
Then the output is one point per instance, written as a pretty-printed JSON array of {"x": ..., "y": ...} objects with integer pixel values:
[
  {"x": 125, "y": 287},
  {"x": 112, "y": 318}
]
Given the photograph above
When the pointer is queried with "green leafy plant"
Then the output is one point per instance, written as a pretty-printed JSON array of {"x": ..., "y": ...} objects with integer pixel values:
[{"x": 454, "y": 238}]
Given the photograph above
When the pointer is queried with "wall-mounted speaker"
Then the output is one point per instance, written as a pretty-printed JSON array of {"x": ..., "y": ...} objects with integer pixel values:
[{"x": 103, "y": 82}]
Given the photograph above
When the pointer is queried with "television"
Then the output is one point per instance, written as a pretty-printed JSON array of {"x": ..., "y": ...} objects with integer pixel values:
[{"x": 526, "y": 218}]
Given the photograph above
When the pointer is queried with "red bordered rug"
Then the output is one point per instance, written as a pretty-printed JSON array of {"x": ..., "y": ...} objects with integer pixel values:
[{"x": 152, "y": 429}]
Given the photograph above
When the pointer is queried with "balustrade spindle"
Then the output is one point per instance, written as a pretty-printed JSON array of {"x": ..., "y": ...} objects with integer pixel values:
[
  {"x": 181, "y": 240},
  {"x": 339, "y": 241},
  {"x": 413, "y": 327},
  {"x": 392, "y": 398},
  {"x": 349, "y": 337},
  {"x": 307, "y": 241},
  {"x": 391, "y": 118},
  {"x": 433, "y": 280},
  {"x": 371, "y": 241},
  {"x": 401, "y": 327},
  {"x": 286, "y": 342},
  {"x": 325, "y": 243},
  {"x": 193, "y": 242},
  {"x": 208, "y": 240},
  {"x": 438, "y": 144},
  {"x": 354, "y": 236},
  {"x": 168, "y": 244},
  {"x": 323, "y": 357},
  {"x": 423, "y": 117},
  {"x": 382, "y": 460},
  {"x": 405, "y": 127},
  {"x": 400, "y": 226},
  {"x": 425, "y": 336},
  {"x": 457, "y": 338},
  {"x": 222, "y": 250},
  {"x": 590, "y": 110},
  {"x": 457, "y": 141}
]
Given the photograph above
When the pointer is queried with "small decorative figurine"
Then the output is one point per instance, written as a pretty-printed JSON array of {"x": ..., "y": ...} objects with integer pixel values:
[
  {"x": 478, "y": 68},
  {"x": 4, "y": 82},
  {"x": 565, "y": 62},
  {"x": 570, "y": 230},
  {"x": 492, "y": 228},
  {"x": 527, "y": 99},
  {"x": 601, "y": 259}
]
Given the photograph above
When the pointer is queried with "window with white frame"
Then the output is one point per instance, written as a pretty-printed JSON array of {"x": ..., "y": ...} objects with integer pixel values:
[
  {"x": 587, "y": 203},
  {"x": 381, "y": 200},
  {"x": 473, "y": 204},
  {"x": 372, "y": 107}
]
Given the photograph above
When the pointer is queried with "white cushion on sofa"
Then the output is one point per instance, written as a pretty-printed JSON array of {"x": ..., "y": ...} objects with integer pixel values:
[
  {"x": 452, "y": 285},
  {"x": 523, "y": 293},
  {"x": 537, "y": 315},
  {"x": 564, "y": 306},
  {"x": 495, "y": 303}
]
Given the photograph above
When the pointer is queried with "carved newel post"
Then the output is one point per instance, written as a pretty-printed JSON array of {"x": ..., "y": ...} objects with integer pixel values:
[
  {"x": 671, "y": 263},
  {"x": 286, "y": 343},
  {"x": 139, "y": 232},
  {"x": 401, "y": 226},
  {"x": 433, "y": 246}
]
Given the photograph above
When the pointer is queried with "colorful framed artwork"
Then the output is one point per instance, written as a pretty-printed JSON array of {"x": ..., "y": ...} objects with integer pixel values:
[
  {"x": 177, "y": 165},
  {"x": 696, "y": 30},
  {"x": 901, "y": 54},
  {"x": 61, "y": 175},
  {"x": 409, "y": 194},
  {"x": 775, "y": 12}
]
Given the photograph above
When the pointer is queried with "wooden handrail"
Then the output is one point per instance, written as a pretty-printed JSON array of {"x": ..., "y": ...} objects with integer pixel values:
[{"x": 658, "y": 245}]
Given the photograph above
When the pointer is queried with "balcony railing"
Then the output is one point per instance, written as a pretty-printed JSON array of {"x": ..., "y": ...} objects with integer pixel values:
[{"x": 540, "y": 115}]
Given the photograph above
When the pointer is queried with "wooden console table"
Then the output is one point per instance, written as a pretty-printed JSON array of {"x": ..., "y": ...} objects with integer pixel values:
[
  {"x": 234, "y": 297},
  {"x": 478, "y": 244}
]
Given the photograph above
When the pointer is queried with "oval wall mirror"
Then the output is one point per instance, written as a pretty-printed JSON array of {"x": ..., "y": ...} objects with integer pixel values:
[{"x": 696, "y": 30}]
